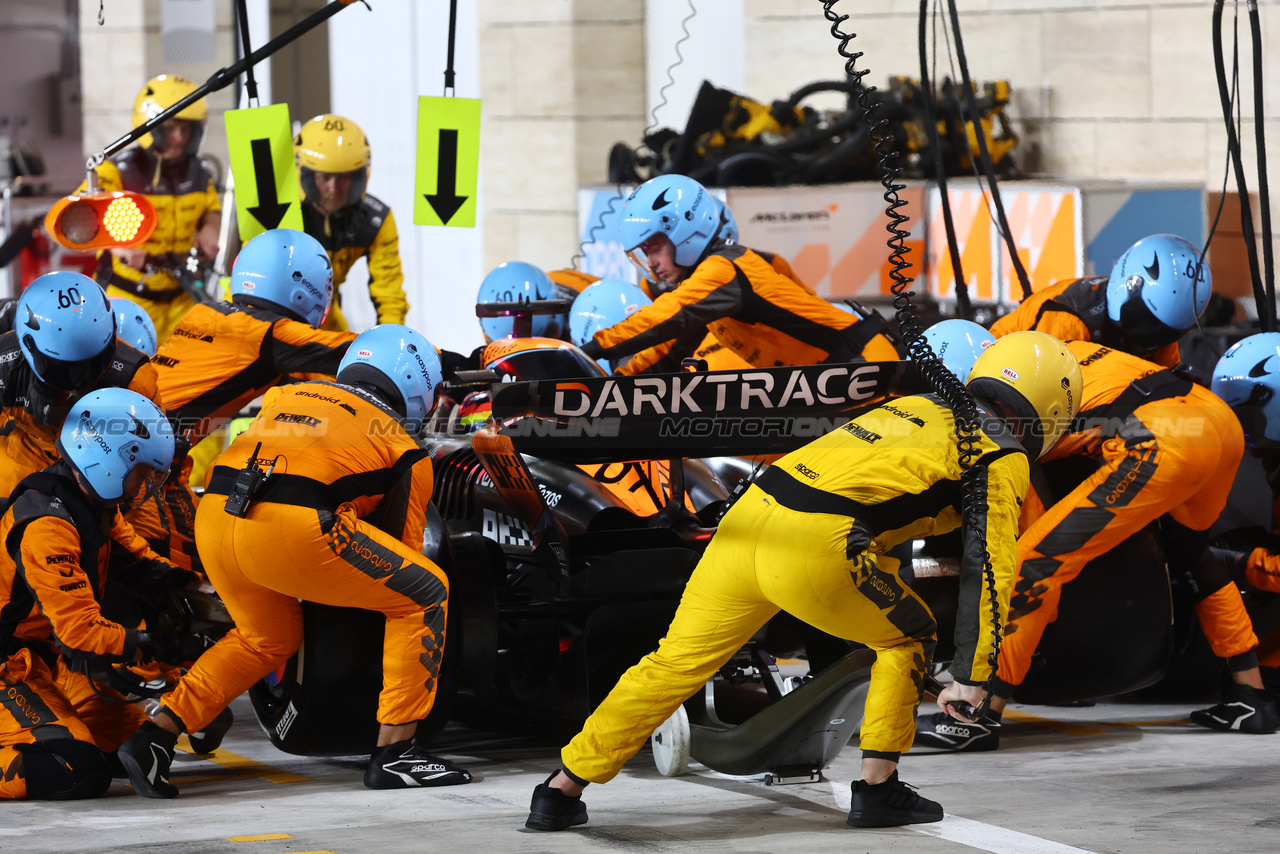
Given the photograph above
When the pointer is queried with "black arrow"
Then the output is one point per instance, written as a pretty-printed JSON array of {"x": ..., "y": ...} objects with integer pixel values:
[
  {"x": 444, "y": 202},
  {"x": 269, "y": 211}
]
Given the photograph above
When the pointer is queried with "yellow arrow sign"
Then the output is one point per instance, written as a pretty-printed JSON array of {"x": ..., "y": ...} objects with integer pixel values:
[
  {"x": 448, "y": 161},
  {"x": 260, "y": 146}
]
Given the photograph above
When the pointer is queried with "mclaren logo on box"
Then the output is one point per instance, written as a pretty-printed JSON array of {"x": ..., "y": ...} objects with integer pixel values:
[{"x": 719, "y": 392}]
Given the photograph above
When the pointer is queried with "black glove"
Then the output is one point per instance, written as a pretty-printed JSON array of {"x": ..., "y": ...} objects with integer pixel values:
[
  {"x": 158, "y": 579},
  {"x": 593, "y": 349},
  {"x": 1235, "y": 562},
  {"x": 161, "y": 646}
]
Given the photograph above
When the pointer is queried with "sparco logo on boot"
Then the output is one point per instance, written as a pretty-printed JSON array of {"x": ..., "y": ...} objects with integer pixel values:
[{"x": 719, "y": 392}]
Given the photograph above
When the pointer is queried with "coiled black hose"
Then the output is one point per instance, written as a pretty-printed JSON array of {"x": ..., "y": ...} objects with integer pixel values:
[{"x": 945, "y": 383}]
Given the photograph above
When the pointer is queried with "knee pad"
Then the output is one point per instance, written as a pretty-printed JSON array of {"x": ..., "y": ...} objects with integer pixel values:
[{"x": 64, "y": 769}]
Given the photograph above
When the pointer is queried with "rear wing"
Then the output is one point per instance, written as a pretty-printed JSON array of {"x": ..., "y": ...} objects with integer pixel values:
[{"x": 702, "y": 414}]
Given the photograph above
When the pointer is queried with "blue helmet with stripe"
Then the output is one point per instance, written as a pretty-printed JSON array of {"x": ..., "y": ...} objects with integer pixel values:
[
  {"x": 958, "y": 344},
  {"x": 285, "y": 270},
  {"x": 134, "y": 326},
  {"x": 1247, "y": 377},
  {"x": 400, "y": 365},
  {"x": 1157, "y": 291},
  {"x": 120, "y": 443},
  {"x": 66, "y": 329}
]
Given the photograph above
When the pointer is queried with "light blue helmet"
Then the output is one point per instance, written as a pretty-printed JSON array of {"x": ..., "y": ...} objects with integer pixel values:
[
  {"x": 958, "y": 344},
  {"x": 516, "y": 281},
  {"x": 675, "y": 206},
  {"x": 728, "y": 225},
  {"x": 66, "y": 329},
  {"x": 134, "y": 326},
  {"x": 1247, "y": 377},
  {"x": 120, "y": 443},
  {"x": 401, "y": 366},
  {"x": 601, "y": 305},
  {"x": 286, "y": 270},
  {"x": 1157, "y": 291}
]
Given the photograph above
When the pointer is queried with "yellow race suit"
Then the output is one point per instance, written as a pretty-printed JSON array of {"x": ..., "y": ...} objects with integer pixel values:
[
  {"x": 366, "y": 229},
  {"x": 810, "y": 537}
]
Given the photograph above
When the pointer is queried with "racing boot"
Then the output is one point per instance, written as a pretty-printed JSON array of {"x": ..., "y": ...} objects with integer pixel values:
[
  {"x": 940, "y": 730},
  {"x": 1242, "y": 709},
  {"x": 209, "y": 738},
  {"x": 146, "y": 757},
  {"x": 890, "y": 804},
  {"x": 405, "y": 765},
  {"x": 552, "y": 809}
]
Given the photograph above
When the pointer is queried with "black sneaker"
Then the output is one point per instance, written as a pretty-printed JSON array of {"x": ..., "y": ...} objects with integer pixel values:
[
  {"x": 941, "y": 731},
  {"x": 405, "y": 765},
  {"x": 210, "y": 738},
  {"x": 552, "y": 809},
  {"x": 146, "y": 757},
  {"x": 890, "y": 804},
  {"x": 1243, "y": 709}
]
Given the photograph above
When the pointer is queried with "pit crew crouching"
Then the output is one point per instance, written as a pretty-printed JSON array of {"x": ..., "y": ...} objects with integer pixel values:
[
  {"x": 1166, "y": 447},
  {"x": 811, "y": 537},
  {"x": 59, "y": 535},
  {"x": 323, "y": 498}
]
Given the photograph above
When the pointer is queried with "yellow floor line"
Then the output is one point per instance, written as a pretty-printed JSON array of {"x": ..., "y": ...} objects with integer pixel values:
[
  {"x": 259, "y": 837},
  {"x": 236, "y": 762}
]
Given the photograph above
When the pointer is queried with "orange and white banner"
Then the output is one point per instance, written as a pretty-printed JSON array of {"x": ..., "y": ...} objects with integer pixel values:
[
  {"x": 834, "y": 235},
  {"x": 1046, "y": 225}
]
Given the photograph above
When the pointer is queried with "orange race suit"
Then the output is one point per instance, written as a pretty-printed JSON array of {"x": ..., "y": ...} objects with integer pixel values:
[
  {"x": 1166, "y": 447},
  {"x": 183, "y": 193},
  {"x": 1076, "y": 310},
  {"x": 751, "y": 309},
  {"x": 811, "y": 537},
  {"x": 33, "y": 412},
  {"x": 365, "y": 229},
  {"x": 339, "y": 521},
  {"x": 58, "y": 546},
  {"x": 220, "y": 357}
]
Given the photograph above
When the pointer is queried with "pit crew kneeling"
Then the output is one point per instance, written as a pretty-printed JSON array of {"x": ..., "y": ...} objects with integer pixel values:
[
  {"x": 811, "y": 537},
  {"x": 59, "y": 535},
  {"x": 301, "y": 506}
]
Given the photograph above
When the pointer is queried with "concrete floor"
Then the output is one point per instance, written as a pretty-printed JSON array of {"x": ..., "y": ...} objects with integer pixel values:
[{"x": 1116, "y": 777}]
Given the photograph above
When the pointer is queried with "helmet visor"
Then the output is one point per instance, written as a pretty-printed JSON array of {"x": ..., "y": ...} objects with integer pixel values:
[
  {"x": 141, "y": 483},
  {"x": 1141, "y": 329},
  {"x": 69, "y": 375},
  {"x": 190, "y": 131}
]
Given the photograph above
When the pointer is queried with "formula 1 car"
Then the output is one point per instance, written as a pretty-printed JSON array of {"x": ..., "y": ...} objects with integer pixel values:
[{"x": 567, "y": 558}]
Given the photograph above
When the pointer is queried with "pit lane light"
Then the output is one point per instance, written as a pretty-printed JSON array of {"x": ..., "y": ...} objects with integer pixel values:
[{"x": 100, "y": 220}]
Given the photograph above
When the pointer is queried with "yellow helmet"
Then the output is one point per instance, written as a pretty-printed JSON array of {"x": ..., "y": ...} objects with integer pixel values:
[
  {"x": 1035, "y": 382},
  {"x": 160, "y": 93},
  {"x": 332, "y": 145}
]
